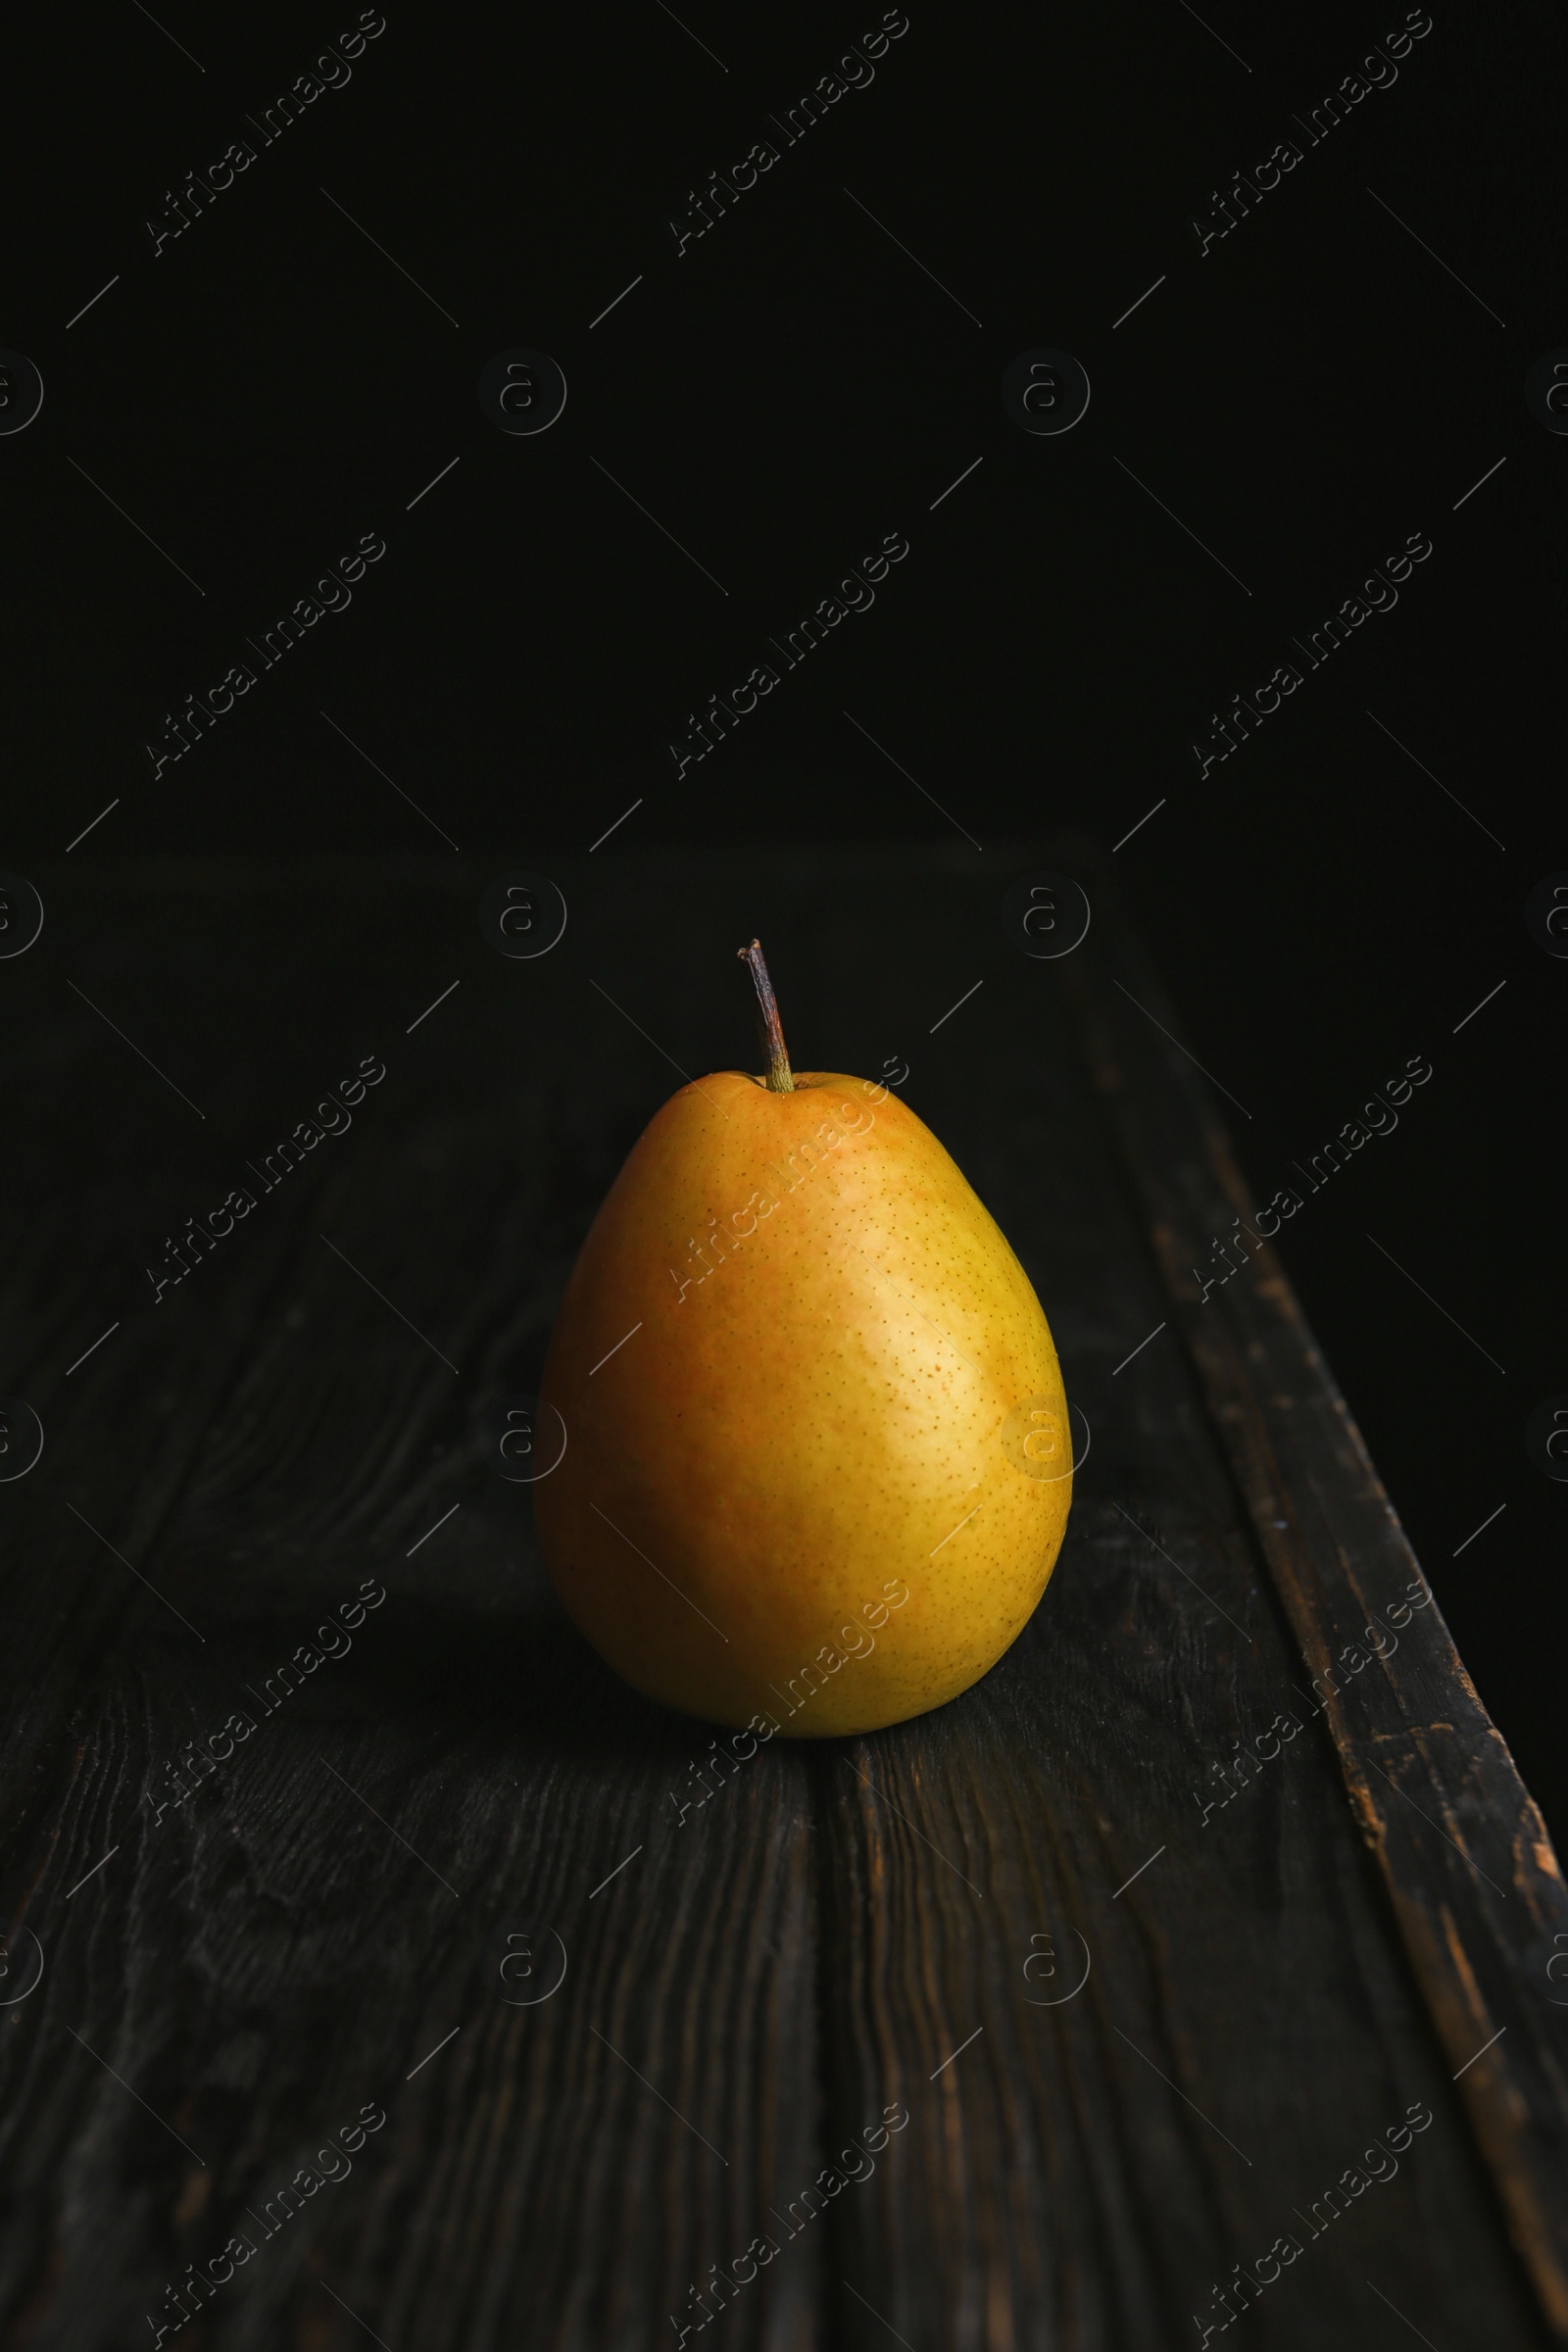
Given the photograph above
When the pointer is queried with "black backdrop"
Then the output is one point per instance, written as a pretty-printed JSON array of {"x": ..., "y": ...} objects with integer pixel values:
[{"x": 1284, "y": 409}]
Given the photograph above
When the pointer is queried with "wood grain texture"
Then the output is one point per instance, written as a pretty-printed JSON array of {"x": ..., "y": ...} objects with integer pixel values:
[
  {"x": 320, "y": 1924},
  {"x": 1461, "y": 1845}
]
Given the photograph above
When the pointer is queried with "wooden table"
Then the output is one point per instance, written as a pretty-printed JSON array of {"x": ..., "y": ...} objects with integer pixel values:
[{"x": 1133, "y": 2008}]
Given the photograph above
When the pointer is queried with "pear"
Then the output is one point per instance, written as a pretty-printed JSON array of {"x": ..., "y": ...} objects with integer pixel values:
[{"x": 817, "y": 1460}]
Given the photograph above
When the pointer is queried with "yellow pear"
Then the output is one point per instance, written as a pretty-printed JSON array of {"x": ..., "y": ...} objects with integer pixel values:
[{"x": 817, "y": 1459}]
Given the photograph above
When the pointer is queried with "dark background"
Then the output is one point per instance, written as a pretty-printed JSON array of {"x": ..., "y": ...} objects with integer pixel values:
[{"x": 1307, "y": 395}]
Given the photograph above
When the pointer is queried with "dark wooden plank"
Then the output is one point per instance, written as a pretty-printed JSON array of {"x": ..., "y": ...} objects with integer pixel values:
[
  {"x": 1462, "y": 1846},
  {"x": 1084, "y": 2173},
  {"x": 259, "y": 1961}
]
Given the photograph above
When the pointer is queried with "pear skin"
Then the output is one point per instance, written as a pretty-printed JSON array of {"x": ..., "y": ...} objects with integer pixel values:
[{"x": 825, "y": 1478}]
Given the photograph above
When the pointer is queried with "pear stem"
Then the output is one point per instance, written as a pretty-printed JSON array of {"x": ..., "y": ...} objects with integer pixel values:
[{"x": 768, "y": 1026}]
